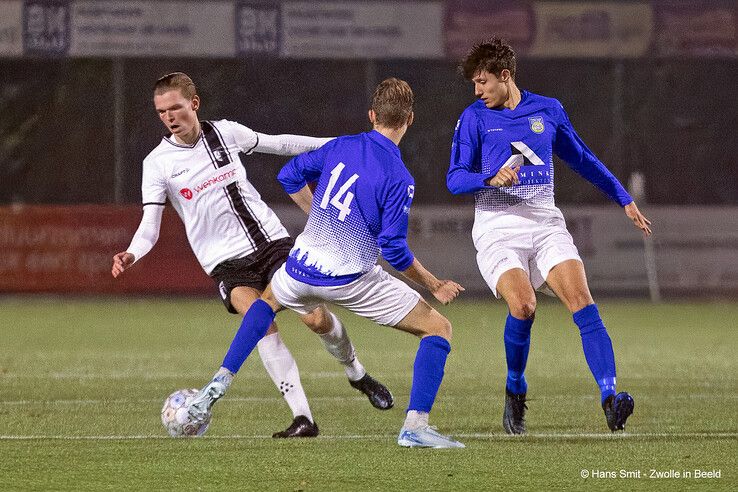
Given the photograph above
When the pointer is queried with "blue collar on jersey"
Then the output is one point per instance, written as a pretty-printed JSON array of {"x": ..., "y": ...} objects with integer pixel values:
[{"x": 384, "y": 142}]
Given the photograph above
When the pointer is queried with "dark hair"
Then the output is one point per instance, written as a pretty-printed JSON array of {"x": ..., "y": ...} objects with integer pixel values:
[
  {"x": 176, "y": 80},
  {"x": 392, "y": 102},
  {"x": 492, "y": 55}
]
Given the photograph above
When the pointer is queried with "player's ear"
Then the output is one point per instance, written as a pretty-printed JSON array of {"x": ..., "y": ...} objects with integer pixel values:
[
  {"x": 505, "y": 75},
  {"x": 410, "y": 118},
  {"x": 195, "y": 102},
  {"x": 372, "y": 116}
]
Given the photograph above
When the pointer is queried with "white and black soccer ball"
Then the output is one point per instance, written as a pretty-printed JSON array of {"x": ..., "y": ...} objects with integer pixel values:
[{"x": 175, "y": 418}]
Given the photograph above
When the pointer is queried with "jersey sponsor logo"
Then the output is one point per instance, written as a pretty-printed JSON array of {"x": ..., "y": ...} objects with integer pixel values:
[
  {"x": 215, "y": 180},
  {"x": 530, "y": 157},
  {"x": 186, "y": 192},
  {"x": 180, "y": 173},
  {"x": 490, "y": 130},
  {"x": 536, "y": 124},
  {"x": 533, "y": 171}
]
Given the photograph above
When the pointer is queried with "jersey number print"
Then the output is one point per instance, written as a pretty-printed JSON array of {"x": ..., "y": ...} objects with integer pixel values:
[{"x": 342, "y": 199}]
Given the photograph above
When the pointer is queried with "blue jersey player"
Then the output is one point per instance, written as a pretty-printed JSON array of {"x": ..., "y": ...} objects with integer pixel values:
[
  {"x": 502, "y": 152},
  {"x": 359, "y": 211}
]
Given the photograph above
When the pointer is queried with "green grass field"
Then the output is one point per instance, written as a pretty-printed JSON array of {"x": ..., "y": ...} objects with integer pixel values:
[{"x": 82, "y": 383}]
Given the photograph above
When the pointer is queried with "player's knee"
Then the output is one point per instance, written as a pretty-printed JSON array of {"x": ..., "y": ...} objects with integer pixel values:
[
  {"x": 441, "y": 327},
  {"x": 523, "y": 308}
]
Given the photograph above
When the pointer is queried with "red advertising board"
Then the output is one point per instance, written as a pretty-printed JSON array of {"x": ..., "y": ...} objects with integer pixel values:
[{"x": 69, "y": 249}]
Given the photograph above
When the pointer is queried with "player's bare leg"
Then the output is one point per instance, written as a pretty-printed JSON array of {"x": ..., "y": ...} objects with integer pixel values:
[
  {"x": 569, "y": 281},
  {"x": 336, "y": 340},
  {"x": 435, "y": 333},
  {"x": 515, "y": 287}
]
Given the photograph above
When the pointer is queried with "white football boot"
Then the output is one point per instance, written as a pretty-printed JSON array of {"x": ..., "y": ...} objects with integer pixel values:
[
  {"x": 426, "y": 437},
  {"x": 200, "y": 406}
]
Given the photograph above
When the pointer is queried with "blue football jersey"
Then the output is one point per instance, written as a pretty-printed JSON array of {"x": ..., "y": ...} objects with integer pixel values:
[
  {"x": 360, "y": 208},
  {"x": 486, "y": 139}
]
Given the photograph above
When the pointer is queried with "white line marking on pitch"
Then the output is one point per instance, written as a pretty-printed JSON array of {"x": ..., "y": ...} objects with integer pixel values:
[
  {"x": 258, "y": 399},
  {"x": 488, "y": 436}
]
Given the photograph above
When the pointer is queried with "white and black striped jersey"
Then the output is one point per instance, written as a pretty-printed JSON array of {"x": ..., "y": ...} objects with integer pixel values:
[{"x": 223, "y": 214}]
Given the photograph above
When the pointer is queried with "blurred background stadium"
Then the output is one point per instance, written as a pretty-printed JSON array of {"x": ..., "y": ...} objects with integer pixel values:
[{"x": 650, "y": 86}]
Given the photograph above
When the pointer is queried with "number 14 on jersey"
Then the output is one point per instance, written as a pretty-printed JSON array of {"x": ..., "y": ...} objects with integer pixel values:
[{"x": 342, "y": 199}]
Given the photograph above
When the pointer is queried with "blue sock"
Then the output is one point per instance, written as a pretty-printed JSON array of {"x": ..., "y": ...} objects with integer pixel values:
[
  {"x": 597, "y": 348},
  {"x": 517, "y": 345},
  {"x": 430, "y": 361},
  {"x": 254, "y": 326}
]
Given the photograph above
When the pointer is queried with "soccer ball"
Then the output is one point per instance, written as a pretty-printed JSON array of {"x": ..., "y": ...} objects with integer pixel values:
[{"x": 175, "y": 418}]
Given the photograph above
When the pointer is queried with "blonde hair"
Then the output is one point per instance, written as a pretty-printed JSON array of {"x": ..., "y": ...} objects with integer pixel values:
[
  {"x": 176, "y": 80},
  {"x": 392, "y": 102}
]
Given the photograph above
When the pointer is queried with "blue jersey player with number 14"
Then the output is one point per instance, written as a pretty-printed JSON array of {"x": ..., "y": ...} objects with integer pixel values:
[
  {"x": 359, "y": 211},
  {"x": 502, "y": 152}
]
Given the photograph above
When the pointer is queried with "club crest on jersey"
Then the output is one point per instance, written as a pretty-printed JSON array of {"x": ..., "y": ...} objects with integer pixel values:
[
  {"x": 186, "y": 192},
  {"x": 536, "y": 124}
]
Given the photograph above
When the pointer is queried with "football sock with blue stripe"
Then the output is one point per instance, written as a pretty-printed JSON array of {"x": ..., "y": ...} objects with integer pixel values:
[
  {"x": 254, "y": 326},
  {"x": 597, "y": 348},
  {"x": 517, "y": 346},
  {"x": 428, "y": 369}
]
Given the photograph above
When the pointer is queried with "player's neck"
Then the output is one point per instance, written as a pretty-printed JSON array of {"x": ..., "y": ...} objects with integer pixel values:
[
  {"x": 394, "y": 134},
  {"x": 189, "y": 138},
  {"x": 513, "y": 97}
]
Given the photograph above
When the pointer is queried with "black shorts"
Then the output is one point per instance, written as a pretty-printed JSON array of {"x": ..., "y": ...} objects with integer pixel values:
[{"x": 254, "y": 270}]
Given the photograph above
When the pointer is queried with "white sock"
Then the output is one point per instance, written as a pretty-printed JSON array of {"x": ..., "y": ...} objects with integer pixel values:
[
  {"x": 338, "y": 344},
  {"x": 282, "y": 368},
  {"x": 415, "y": 420}
]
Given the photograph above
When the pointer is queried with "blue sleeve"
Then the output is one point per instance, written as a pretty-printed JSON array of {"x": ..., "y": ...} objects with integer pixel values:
[
  {"x": 463, "y": 174},
  {"x": 570, "y": 147},
  {"x": 394, "y": 215},
  {"x": 302, "y": 169}
]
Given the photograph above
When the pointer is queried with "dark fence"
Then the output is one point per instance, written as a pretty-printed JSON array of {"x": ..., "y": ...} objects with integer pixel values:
[{"x": 675, "y": 121}]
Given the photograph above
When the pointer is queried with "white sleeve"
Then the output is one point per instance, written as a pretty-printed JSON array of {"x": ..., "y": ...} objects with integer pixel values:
[
  {"x": 250, "y": 141},
  {"x": 153, "y": 187},
  {"x": 148, "y": 231},
  {"x": 287, "y": 144}
]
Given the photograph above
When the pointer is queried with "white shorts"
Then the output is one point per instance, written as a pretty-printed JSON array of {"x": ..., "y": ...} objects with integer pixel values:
[
  {"x": 535, "y": 240},
  {"x": 376, "y": 295}
]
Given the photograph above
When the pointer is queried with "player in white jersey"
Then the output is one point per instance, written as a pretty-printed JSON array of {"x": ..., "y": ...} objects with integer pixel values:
[
  {"x": 502, "y": 152},
  {"x": 236, "y": 237}
]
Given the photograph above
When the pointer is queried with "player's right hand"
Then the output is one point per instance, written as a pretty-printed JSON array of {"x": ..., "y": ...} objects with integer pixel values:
[
  {"x": 506, "y": 176},
  {"x": 121, "y": 261},
  {"x": 447, "y": 291}
]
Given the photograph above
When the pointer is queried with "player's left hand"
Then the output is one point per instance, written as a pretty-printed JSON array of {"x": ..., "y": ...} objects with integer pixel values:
[
  {"x": 639, "y": 220},
  {"x": 447, "y": 291}
]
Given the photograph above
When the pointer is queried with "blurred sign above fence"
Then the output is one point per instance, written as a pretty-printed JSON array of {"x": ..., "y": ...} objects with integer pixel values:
[
  {"x": 612, "y": 29},
  {"x": 145, "y": 28},
  {"x": 469, "y": 21},
  {"x": 374, "y": 29},
  {"x": 11, "y": 40},
  {"x": 362, "y": 30},
  {"x": 703, "y": 29}
]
